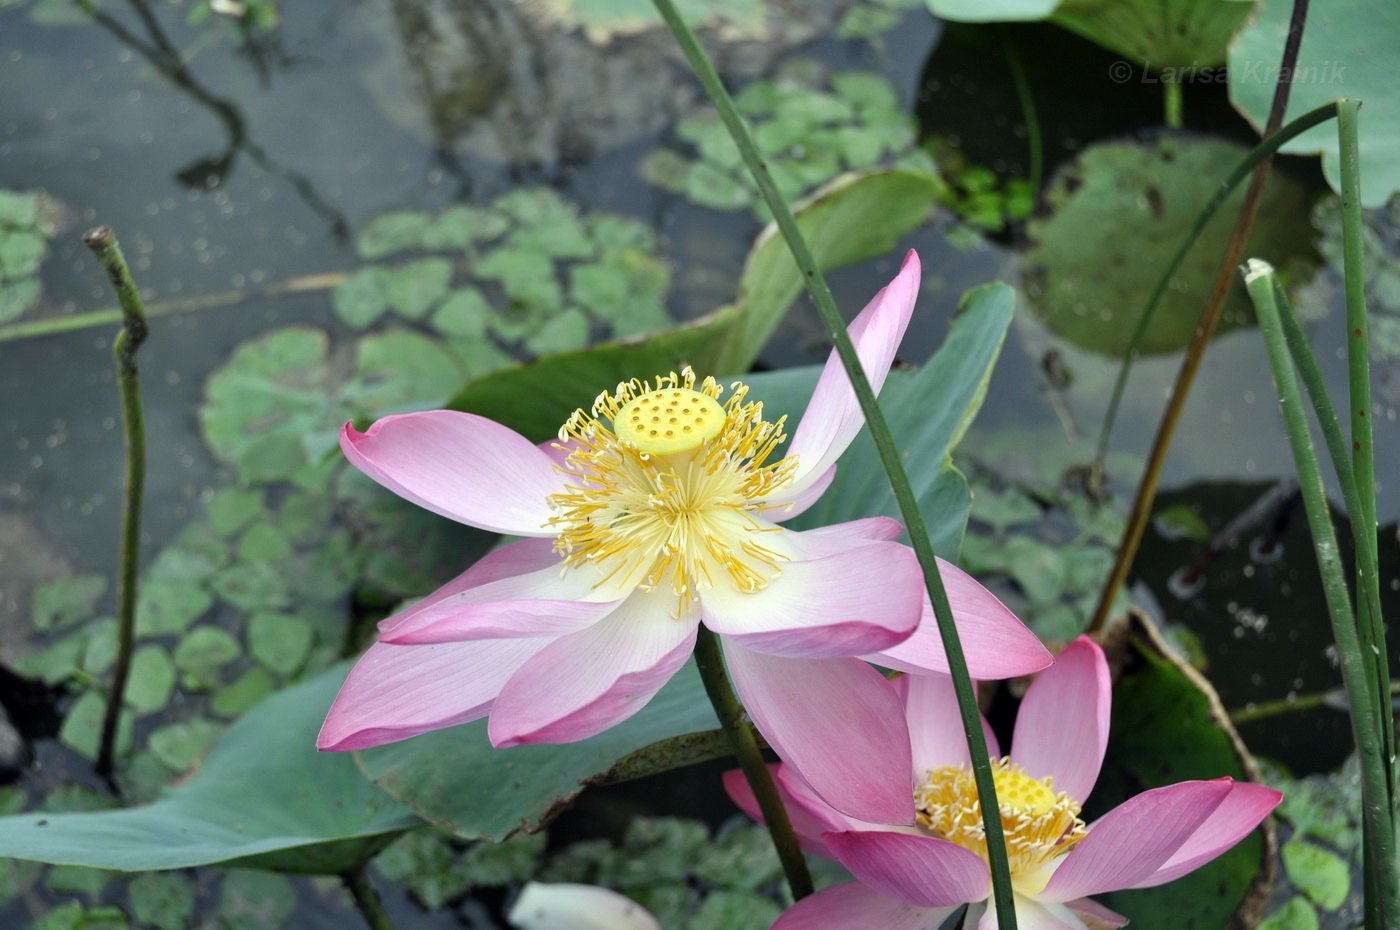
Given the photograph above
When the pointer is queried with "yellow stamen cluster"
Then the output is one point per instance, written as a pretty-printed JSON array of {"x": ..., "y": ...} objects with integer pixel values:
[
  {"x": 669, "y": 493},
  {"x": 1039, "y": 825}
]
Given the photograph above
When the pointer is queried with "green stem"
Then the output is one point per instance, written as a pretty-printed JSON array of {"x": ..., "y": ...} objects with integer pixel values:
[
  {"x": 1141, "y": 509},
  {"x": 109, "y": 254},
  {"x": 710, "y": 662},
  {"x": 1262, "y": 710},
  {"x": 884, "y": 445},
  {"x": 1034, "y": 139},
  {"x": 1363, "y": 461},
  {"x": 366, "y": 898},
  {"x": 1378, "y": 832},
  {"x": 1171, "y": 104},
  {"x": 1263, "y": 150}
]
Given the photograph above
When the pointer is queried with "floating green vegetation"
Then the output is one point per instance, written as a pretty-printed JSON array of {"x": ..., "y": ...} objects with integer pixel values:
[
  {"x": 249, "y": 17},
  {"x": 1320, "y": 883},
  {"x": 529, "y": 273},
  {"x": 1036, "y": 535},
  {"x": 809, "y": 124},
  {"x": 873, "y": 18},
  {"x": 1118, "y": 213},
  {"x": 26, "y": 225}
]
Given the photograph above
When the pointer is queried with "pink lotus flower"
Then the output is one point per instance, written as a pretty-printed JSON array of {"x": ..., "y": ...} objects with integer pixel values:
[
  {"x": 656, "y": 513},
  {"x": 914, "y": 877}
]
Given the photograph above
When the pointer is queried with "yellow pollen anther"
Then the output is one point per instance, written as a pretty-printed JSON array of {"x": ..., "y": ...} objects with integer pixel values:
[
  {"x": 1039, "y": 825},
  {"x": 669, "y": 421}
]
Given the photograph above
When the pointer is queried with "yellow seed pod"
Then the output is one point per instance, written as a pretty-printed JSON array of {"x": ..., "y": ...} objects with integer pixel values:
[{"x": 668, "y": 421}]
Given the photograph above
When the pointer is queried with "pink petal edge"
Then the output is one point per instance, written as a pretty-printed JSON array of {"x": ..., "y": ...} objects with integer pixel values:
[
  {"x": 919, "y": 870},
  {"x": 459, "y": 465},
  {"x": 1062, "y": 725}
]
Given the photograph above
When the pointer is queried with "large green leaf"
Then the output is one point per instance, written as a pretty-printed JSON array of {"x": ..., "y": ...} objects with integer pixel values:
[
  {"x": 1169, "y": 726},
  {"x": 263, "y": 797},
  {"x": 1350, "y": 49},
  {"x": 456, "y": 779},
  {"x": 1154, "y": 33},
  {"x": 855, "y": 217}
]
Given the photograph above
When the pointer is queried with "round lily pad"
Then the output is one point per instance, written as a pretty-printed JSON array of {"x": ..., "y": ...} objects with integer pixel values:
[{"x": 1114, "y": 218}]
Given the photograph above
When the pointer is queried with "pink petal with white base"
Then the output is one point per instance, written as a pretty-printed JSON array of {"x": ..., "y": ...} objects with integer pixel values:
[
  {"x": 586, "y": 682},
  {"x": 810, "y": 543},
  {"x": 833, "y": 416},
  {"x": 1062, "y": 725},
  {"x": 1243, "y": 809},
  {"x": 1135, "y": 839},
  {"x": 1034, "y": 915},
  {"x": 852, "y": 905},
  {"x": 807, "y": 828},
  {"x": 798, "y": 792},
  {"x": 785, "y": 508},
  {"x": 837, "y": 722},
  {"x": 920, "y": 870},
  {"x": 858, "y": 600},
  {"x": 395, "y": 692},
  {"x": 995, "y": 643},
  {"x": 464, "y": 467},
  {"x": 517, "y": 558},
  {"x": 936, "y": 732},
  {"x": 547, "y": 602},
  {"x": 1092, "y": 908}
]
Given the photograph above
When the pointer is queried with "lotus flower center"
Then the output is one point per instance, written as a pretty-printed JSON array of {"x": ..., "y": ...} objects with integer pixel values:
[
  {"x": 672, "y": 495},
  {"x": 669, "y": 421},
  {"x": 1039, "y": 824}
]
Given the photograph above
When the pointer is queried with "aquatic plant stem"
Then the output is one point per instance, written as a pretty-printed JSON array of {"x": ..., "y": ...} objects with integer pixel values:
[
  {"x": 1171, "y": 104},
  {"x": 104, "y": 245},
  {"x": 1363, "y": 460},
  {"x": 1035, "y": 140},
  {"x": 709, "y": 659},
  {"x": 366, "y": 898},
  {"x": 1378, "y": 833},
  {"x": 1141, "y": 509},
  {"x": 1263, "y": 150},
  {"x": 884, "y": 445}
]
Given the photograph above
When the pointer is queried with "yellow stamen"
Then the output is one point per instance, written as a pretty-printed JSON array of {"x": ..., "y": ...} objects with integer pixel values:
[
  {"x": 653, "y": 502},
  {"x": 1039, "y": 824}
]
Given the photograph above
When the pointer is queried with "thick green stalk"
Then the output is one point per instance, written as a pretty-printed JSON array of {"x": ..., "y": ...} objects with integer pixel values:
[
  {"x": 1363, "y": 461},
  {"x": 710, "y": 661},
  {"x": 884, "y": 445},
  {"x": 1378, "y": 831},
  {"x": 1263, "y": 150},
  {"x": 109, "y": 254},
  {"x": 1171, "y": 104},
  {"x": 366, "y": 898}
]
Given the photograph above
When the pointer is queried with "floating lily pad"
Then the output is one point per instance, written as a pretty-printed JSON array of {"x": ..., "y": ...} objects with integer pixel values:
[
  {"x": 82, "y": 728},
  {"x": 1323, "y": 876},
  {"x": 169, "y": 606},
  {"x": 202, "y": 655},
  {"x": 262, "y": 789},
  {"x": 152, "y": 681},
  {"x": 162, "y": 900},
  {"x": 266, "y": 399},
  {"x": 1115, "y": 217},
  {"x": 179, "y": 745},
  {"x": 1348, "y": 50},
  {"x": 65, "y": 601},
  {"x": 245, "y": 692},
  {"x": 25, "y": 230},
  {"x": 1295, "y": 914},
  {"x": 281, "y": 642},
  {"x": 255, "y": 900}
]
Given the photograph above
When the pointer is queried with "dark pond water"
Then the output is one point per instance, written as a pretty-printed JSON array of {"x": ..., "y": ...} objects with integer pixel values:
[{"x": 230, "y": 166}]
